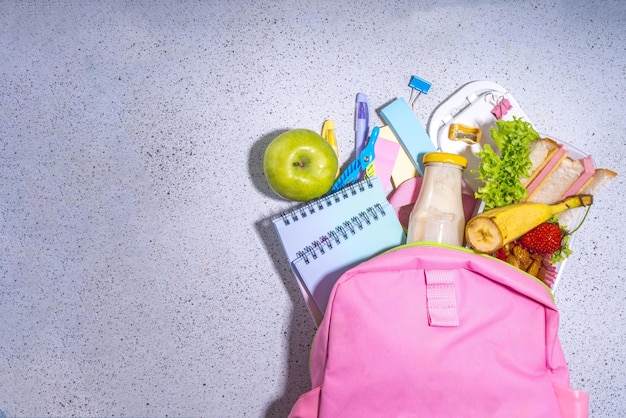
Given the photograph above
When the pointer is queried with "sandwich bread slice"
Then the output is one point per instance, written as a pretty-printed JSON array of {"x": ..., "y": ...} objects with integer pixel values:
[
  {"x": 543, "y": 151},
  {"x": 554, "y": 185},
  {"x": 599, "y": 180}
]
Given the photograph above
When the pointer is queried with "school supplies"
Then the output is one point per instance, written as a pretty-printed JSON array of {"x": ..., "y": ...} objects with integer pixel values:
[
  {"x": 355, "y": 171},
  {"x": 420, "y": 86},
  {"x": 387, "y": 153},
  {"x": 326, "y": 237},
  {"x": 409, "y": 131},
  {"x": 328, "y": 133},
  {"x": 403, "y": 168},
  {"x": 361, "y": 122},
  {"x": 469, "y": 134}
]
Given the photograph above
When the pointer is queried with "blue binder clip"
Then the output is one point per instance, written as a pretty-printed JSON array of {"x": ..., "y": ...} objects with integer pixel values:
[{"x": 420, "y": 85}]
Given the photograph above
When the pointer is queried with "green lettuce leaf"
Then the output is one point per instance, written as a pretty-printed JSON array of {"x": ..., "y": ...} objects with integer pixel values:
[{"x": 501, "y": 172}]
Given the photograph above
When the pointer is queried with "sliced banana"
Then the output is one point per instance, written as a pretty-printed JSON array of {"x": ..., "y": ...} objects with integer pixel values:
[{"x": 483, "y": 235}]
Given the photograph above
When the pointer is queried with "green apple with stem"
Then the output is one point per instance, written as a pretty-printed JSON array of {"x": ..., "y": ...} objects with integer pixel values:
[{"x": 300, "y": 165}]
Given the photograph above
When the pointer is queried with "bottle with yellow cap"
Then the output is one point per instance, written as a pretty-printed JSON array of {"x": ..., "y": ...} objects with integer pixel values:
[{"x": 437, "y": 215}]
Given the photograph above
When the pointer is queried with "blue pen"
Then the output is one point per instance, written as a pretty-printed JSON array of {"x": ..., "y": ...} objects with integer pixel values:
[{"x": 361, "y": 122}]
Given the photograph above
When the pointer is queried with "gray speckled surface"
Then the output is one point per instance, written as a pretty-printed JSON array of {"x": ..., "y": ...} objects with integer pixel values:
[{"x": 137, "y": 274}]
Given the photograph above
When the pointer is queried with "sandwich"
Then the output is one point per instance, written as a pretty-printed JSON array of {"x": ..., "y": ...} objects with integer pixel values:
[
  {"x": 561, "y": 179},
  {"x": 555, "y": 176}
]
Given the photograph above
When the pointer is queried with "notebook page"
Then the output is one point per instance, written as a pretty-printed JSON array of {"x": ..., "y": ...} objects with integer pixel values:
[{"x": 322, "y": 265}]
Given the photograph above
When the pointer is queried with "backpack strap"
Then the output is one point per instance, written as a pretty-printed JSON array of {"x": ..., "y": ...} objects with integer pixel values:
[{"x": 441, "y": 298}]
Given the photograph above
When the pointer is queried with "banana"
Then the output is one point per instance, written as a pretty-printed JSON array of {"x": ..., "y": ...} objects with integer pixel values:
[
  {"x": 493, "y": 229},
  {"x": 483, "y": 235}
]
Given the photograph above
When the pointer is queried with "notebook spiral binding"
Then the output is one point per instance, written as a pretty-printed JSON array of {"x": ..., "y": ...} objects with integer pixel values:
[
  {"x": 341, "y": 233},
  {"x": 326, "y": 201}
]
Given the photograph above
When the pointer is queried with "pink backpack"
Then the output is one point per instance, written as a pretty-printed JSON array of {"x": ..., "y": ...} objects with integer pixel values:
[{"x": 434, "y": 331}]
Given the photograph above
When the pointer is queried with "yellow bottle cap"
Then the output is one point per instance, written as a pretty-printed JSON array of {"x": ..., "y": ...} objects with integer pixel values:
[{"x": 444, "y": 157}]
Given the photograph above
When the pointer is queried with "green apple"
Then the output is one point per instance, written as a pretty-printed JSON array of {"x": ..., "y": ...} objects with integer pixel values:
[{"x": 300, "y": 165}]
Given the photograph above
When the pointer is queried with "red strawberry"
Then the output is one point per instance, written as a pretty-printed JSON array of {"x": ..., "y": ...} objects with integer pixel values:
[{"x": 544, "y": 239}]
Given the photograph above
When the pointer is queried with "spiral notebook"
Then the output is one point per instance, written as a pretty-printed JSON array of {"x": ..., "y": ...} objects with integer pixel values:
[{"x": 328, "y": 236}]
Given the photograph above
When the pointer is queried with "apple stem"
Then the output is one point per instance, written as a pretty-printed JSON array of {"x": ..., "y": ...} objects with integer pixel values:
[{"x": 299, "y": 164}]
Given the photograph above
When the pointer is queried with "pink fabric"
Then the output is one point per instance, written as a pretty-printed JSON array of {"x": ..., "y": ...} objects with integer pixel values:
[
  {"x": 573, "y": 403},
  {"x": 375, "y": 353},
  {"x": 307, "y": 405}
]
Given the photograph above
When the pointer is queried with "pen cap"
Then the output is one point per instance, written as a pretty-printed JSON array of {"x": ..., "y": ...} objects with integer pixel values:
[{"x": 362, "y": 111}]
